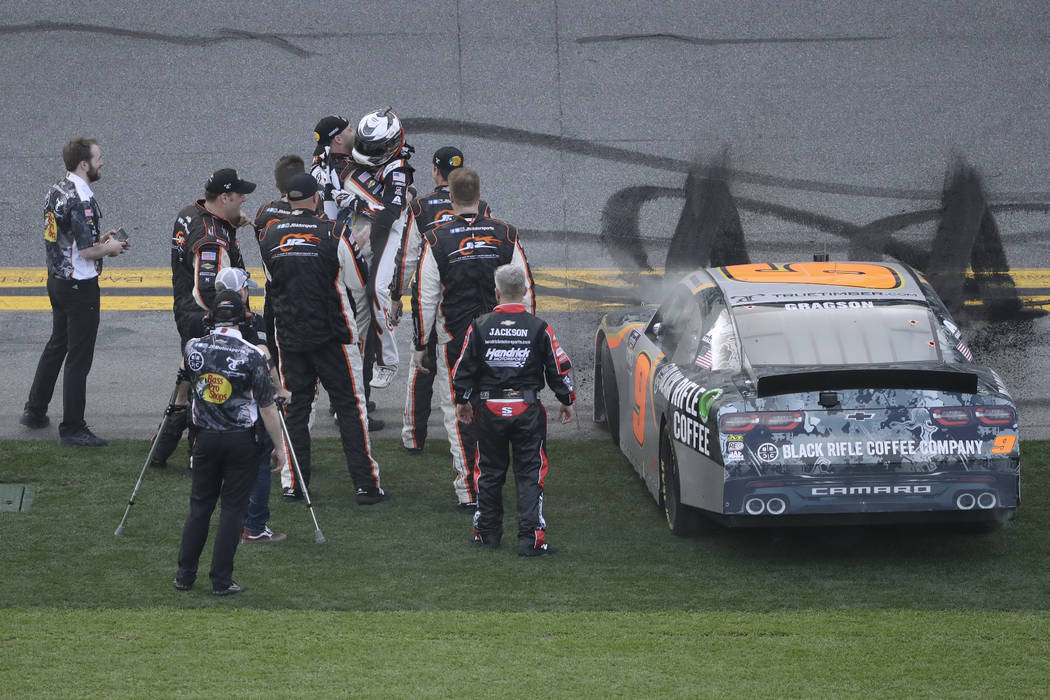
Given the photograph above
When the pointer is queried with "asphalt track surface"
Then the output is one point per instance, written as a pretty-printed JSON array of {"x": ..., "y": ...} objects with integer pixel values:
[{"x": 831, "y": 123}]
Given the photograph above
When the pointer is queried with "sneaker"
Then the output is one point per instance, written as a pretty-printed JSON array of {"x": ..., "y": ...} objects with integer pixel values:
[
  {"x": 491, "y": 543},
  {"x": 291, "y": 494},
  {"x": 412, "y": 450},
  {"x": 34, "y": 421},
  {"x": 233, "y": 588},
  {"x": 82, "y": 438},
  {"x": 267, "y": 535},
  {"x": 544, "y": 550},
  {"x": 158, "y": 463},
  {"x": 368, "y": 497},
  {"x": 182, "y": 585},
  {"x": 382, "y": 375},
  {"x": 469, "y": 506}
]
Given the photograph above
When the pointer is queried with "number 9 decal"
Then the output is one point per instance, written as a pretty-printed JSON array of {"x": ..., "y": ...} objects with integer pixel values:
[
  {"x": 642, "y": 368},
  {"x": 844, "y": 274},
  {"x": 1003, "y": 444}
]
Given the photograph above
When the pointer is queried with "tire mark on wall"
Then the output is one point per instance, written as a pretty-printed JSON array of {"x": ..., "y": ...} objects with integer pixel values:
[
  {"x": 700, "y": 41},
  {"x": 709, "y": 230},
  {"x": 590, "y": 149},
  {"x": 279, "y": 40}
]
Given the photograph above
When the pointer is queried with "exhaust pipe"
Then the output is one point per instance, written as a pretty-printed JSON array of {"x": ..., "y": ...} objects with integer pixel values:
[
  {"x": 986, "y": 500},
  {"x": 965, "y": 501},
  {"x": 755, "y": 506},
  {"x": 776, "y": 506}
]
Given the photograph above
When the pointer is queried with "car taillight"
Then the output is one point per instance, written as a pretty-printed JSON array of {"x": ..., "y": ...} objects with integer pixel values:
[
  {"x": 951, "y": 415},
  {"x": 995, "y": 415},
  {"x": 738, "y": 422},
  {"x": 783, "y": 420}
]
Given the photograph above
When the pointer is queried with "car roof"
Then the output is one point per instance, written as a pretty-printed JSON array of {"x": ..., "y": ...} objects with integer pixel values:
[{"x": 779, "y": 283}]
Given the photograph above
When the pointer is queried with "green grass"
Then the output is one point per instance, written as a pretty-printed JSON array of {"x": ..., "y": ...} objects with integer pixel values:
[
  {"x": 429, "y": 654},
  {"x": 398, "y": 602}
]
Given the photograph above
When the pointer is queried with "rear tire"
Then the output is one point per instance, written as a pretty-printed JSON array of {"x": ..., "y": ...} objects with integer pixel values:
[
  {"x": 610, "y": 394},
  {"x": 683, "y": 520}
]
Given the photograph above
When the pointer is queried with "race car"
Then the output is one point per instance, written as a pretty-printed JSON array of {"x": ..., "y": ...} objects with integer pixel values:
[{"x": 807, "y": 393}]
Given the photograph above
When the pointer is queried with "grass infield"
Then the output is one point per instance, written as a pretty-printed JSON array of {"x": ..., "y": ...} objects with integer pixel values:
[{"x": 398, "y": 602}]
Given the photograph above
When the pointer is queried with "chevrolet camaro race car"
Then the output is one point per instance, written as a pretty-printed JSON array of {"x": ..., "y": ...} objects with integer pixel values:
[{"x": 807, "y": 393}]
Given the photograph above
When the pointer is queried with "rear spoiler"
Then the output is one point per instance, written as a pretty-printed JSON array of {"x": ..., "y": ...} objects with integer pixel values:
[{"x": 831, "y": 380}]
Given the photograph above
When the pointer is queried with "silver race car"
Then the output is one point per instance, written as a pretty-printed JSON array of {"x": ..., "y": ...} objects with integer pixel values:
[{"x": 807, "y": 393}]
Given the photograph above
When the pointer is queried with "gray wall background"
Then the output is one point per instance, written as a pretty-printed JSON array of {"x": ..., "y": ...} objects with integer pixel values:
[{"x": 827, "y": 116}]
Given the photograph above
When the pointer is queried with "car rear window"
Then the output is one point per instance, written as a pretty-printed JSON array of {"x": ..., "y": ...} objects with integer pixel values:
[{"x": 836, "y": 333}]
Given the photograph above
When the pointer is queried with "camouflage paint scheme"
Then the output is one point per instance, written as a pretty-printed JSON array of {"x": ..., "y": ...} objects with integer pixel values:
[{"x": 876, "y": 450}]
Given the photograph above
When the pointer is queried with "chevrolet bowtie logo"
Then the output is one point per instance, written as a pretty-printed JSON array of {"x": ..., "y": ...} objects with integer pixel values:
[{"x": 860, "y": 415}]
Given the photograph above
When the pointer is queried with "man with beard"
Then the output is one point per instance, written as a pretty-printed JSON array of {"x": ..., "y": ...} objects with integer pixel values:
[{"x": 74, "y": 250}]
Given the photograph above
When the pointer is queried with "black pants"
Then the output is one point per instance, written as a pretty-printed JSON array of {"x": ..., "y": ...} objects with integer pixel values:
[
  {"x": 420, "y": 397},
  {"x": 522, "y": 427},
  {"x": 74, "y": 327},
  {"x": 338, "y": 368},
  {"x": 224, "y": 464}
]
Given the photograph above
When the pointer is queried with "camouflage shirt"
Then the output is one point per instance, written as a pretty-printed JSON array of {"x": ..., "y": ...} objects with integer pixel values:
[
  {"x": 72, "y": 223},
  {"x": 229, "y": 381}
]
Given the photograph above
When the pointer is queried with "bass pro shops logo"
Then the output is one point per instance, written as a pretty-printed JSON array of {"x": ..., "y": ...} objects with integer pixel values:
[{"x": 214, "y": 388}]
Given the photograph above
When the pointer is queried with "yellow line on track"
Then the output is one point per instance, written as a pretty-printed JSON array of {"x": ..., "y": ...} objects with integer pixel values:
[
  {"x": 28, "y": 277},
  {"x": 121, "y": 303},
  {"x": 163, "y": 303},
  {"x": 160, "y": 279}
]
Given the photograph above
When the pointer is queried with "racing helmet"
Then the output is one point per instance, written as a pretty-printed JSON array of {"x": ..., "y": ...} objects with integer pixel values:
[{"x": 379, "y": 138}]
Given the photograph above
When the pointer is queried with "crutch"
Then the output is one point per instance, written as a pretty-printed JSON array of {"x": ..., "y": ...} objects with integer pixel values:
[
  {"x": 152, "y": 447},
  {"x": 318, "y": 535}
]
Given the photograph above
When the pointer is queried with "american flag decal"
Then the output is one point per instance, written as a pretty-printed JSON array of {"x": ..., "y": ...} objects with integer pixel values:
[
  {"x": 961, "y": 347},
  {"x": 704, "y": 358}
]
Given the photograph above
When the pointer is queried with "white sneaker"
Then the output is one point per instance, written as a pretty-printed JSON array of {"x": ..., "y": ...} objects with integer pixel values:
[{"x": 382, "y": 375}]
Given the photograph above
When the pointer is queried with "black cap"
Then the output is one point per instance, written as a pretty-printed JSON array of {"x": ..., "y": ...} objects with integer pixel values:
[
  {"x": 447, "y": 159},
  {"x": 228, "y": 180},
  {"x": 227, "y": 308},
  {"x": 329, "y": 127},
  {"x": 302, "y": 186}
]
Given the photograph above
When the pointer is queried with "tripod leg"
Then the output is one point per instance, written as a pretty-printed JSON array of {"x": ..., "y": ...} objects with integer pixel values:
[
  {"x": 318, "y": 535},
  {"x": 149, "y": 457}
]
